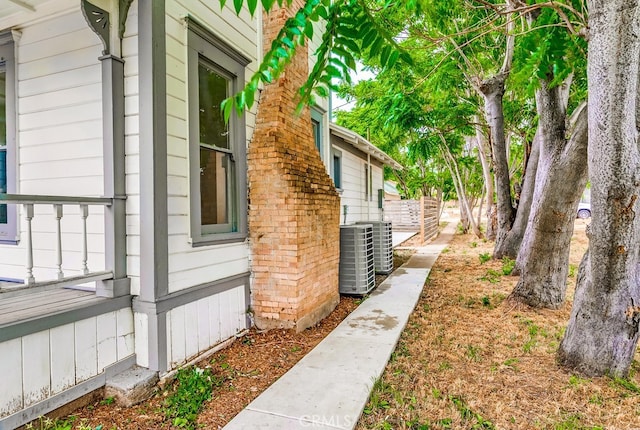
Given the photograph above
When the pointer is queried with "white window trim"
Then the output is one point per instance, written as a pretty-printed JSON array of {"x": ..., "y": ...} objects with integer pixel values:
[
  {"x": 8, "y": 39},
  {"x": 202, "y": 42}
]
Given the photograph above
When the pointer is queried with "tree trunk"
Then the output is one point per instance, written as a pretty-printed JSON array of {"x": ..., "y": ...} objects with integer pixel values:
[
  {"x": 440, "y": 206},
  {"x": 479, "y": 220},
  {"x": 484, "y": 154},
  {"x": 466, "y": 214},
  {"x": 492, "y": 90},
  {"x": 602, "y": 334},
  {"x": 543, "y": 259},
  {"x": 512, "y": 242}
]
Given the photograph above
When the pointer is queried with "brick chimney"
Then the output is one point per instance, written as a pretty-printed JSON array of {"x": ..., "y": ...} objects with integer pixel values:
[{"x": 294, "y": 209}]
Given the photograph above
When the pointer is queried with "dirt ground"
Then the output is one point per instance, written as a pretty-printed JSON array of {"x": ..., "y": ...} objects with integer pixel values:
[
  {"x": 247, "y": 367},
  {"x": 468, "y": 359}
]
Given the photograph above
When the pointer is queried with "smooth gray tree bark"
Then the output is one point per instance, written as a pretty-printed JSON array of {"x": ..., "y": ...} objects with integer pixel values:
[
  {"x": 543, "y": 258},
  {"x": 484, "y": 155},
  {"x": 514, "y": 237},
  {"x": 493, "y": 90},
  {"x": 602, "y": 334}
]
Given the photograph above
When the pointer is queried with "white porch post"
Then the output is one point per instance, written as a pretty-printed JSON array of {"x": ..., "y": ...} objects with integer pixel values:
[{"x": 28, "y": 215}]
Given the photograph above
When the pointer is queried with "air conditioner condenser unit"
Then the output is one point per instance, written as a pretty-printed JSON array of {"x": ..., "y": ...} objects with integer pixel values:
[{"x": 357, "y": 270}]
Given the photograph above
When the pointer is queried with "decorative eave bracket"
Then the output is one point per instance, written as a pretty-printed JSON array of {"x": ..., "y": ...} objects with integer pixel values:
[
  {"x": 123, "y": 8},
  {"x": 99, "y": 21}
]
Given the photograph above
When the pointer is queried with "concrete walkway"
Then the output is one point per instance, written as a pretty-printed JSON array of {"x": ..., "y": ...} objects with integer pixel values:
[
  {"x": 330, "y": 386},
  {"x": 397, "y": 237}
]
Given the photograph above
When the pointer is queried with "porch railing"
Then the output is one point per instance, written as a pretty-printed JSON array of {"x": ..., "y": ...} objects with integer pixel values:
[{"x": 58, "y": 203}]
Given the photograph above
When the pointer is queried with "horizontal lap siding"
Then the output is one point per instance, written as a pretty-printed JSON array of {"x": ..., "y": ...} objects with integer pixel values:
[
  {"x": 375, "y": 214},
  {"x": 353, "y": 188},
  {"x": 60, "y": 139},
  {"x": 189, "y": 266},
  {"x": 132, "y": 147},
  {"x": 194, "y": 328},
  {"x": 48, "y": 362}
]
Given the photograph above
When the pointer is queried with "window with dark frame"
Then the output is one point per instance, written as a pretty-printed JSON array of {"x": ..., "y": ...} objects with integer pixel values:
[
  {"x": 217, "y": 150},
  {"x": 3, "y": 140},
  {"x": 336, "y": 168},
  {"x": 317, "y": 129},
  {"x": 366, "y": 182},
  {"x": 217, "y": 182}
]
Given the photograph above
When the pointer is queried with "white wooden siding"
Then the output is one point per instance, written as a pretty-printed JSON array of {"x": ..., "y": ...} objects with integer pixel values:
[
  {"x": 354, "y": 191},
  {"x": 62, "y": 358},
  {"x": 11, "y": 394},
  {"x": 189, "y": 266},
  {"x": 141, "y": 324},
  {"x": 194, "y": 328},
  {"x": 59, "y": 109},
  {"x": 36, "y": 368},
  {"x": 48, "y": 362},
  {"x": 132, "y": 146}
]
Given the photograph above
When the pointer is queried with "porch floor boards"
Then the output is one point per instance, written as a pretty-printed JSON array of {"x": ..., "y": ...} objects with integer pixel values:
[{"x": 35, "y": 305}]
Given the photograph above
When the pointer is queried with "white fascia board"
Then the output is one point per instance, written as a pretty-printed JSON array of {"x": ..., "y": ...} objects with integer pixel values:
[{"x": 364, "y": 145}]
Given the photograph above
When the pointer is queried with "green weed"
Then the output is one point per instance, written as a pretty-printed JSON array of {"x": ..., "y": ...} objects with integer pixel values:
[
  {"x": 46, "y": 423},
  {"x": 533, "y": 334},
  {"x": 626, "y": 384},
  {"x": 572, "y": 270},
  {"x": 507, "y": 266},
  {"x": 575, "y": 381},
  {"x": 484, "y": 257},
  {"x": 107, "y": 401},
  {"x": 573, "y": 422},
  {"x": 511, "y": 363},
  {"x": 192, "y": 387},
  {"x": 596, "y": 399},
  {"x": 361, "y": 299},
  {"x": 445, "y": 365},
  {"x": 469, "y": 415},
  {"x": 376, "y": 399},
  {"x": 491, "y": 276},
  {"x": 473, "y": 353}
]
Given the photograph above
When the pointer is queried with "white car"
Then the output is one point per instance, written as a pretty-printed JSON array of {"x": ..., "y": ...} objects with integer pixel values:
[{"x": 584, "y": 210}]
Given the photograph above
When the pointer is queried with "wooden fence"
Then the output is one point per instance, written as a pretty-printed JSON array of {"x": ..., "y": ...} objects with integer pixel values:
[{"x": 413, "y": 215}]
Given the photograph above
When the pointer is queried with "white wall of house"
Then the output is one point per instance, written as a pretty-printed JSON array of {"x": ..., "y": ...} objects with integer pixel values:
[
  {"x": 322, "y": 104},
  {"x": 188, "y": 265},
  {"x": 360, "y": 206},
  {"x": 193, "y": 328},
  {"x": 132, "y": 145},
  {"x": 48, "y": 362},
  {"x": 59, "y": 109}
]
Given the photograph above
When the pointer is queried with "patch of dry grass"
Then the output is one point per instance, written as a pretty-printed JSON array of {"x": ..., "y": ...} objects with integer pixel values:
[{"x": 468, "y": 359}]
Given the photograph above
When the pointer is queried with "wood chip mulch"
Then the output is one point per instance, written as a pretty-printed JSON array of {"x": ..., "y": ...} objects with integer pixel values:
[{"x": 248, "y": 366}]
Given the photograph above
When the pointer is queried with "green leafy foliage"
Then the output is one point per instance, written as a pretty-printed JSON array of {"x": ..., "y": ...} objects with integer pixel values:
[
  {"x": 507, "y": 266},
  {"x": 484, "y": 257},
  {"x": 192, "y": 387},
  {"x": 347, "y": 24}
]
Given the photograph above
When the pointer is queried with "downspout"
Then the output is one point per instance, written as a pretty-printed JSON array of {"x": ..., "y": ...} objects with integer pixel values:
[{"x": 370, "y": 187}]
